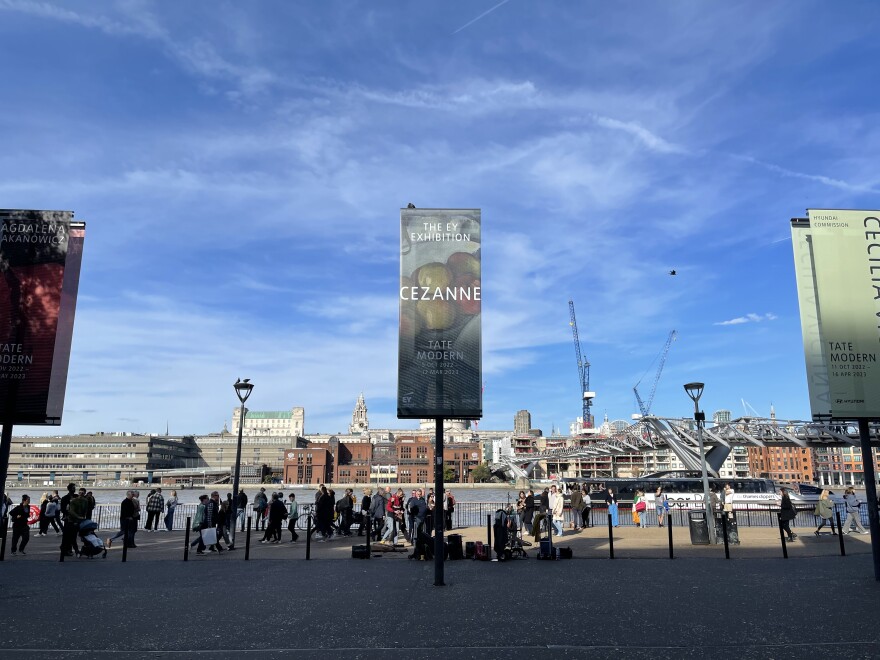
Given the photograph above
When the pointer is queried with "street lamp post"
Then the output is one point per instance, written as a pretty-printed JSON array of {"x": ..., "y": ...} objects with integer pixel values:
[
  {"x": 695, "y": 391},
  {"x": 243, "y": 390}
]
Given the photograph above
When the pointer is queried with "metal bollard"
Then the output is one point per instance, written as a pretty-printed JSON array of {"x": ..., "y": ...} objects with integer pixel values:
[
  {"x": 186, "y": 539},
  {"x": 489, "y": 531},
  {"x": 610, "y": 538},
  {"x": 3, "y": 532},
  {"x": 724, "y": 532},
  {"x": 247, "y": 540},
  {"x": 369, "y": 531},
  {"x": 782, "y": 538},
  {"x": 669, "y": 532},
  {"x": 839, "y": 533},
  {"x": 309, "y": 537}
]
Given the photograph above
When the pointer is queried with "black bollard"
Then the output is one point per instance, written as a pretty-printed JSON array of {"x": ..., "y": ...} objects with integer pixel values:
[
  {"x": 247, "y": 540},
  {"x": 839, "y": 533},
  {"x": 724, "y": 532},
  {"x": 309, "y": 537},
  {"x": 186, "y": 539},
  {"x": 782, "y": 538},
  {"x": 369, "y": 530},
  {"x": 489, "y": 532},
  {"x": 4, "y": 522},
  {"x": 669, "y": 533},
  {"x": 124, "y": 549},
  {"x": 610, "y": 538}
]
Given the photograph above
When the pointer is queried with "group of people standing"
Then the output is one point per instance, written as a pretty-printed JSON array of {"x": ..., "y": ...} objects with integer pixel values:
[{"x": 393, "y": 514}]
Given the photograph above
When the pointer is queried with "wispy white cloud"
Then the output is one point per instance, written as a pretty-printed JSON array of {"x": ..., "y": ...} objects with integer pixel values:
[
  {"x": 485, "y": 13},
  {"x": 643, "y": 135},
  {"x": 748, "y": 318}
]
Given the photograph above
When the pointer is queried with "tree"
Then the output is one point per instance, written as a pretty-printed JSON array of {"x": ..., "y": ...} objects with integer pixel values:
[
  {"x": 448, "y": 473},
  {"x": 481, "y": 473}
]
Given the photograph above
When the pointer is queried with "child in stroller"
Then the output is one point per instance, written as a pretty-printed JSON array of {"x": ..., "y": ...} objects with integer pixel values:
[{"x": 91, "y": 544}]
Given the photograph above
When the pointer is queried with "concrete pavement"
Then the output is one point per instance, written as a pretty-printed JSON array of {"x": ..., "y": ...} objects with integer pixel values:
[{"x": 640, "y": 605}]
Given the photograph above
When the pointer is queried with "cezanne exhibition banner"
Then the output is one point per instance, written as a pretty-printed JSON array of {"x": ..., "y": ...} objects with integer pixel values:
[
  {"x": 440, "y": 340},
  {"x": 40, "y": 257},
  {"x": 846, "y": 254}
]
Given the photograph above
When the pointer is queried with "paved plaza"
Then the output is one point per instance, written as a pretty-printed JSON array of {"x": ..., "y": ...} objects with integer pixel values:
[{"x": 816, "y": 604}]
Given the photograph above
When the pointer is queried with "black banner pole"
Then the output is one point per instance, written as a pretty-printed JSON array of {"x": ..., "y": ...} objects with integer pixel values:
[
  {"x": 5, "y": 447},
  {"x": 439, "y": 513},
  {"x": 870, "y": 493}
]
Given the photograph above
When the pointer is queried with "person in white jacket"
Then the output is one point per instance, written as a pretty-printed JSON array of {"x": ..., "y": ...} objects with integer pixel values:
[
  {"x": 557, "y": 505},
  {"x": 852, "y": 512}
]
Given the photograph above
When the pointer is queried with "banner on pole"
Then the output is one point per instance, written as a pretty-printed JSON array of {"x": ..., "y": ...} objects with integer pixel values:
[
  {"x": 40, "y": 258},
  {"x": 814, "y": 355},
  {"x": 846, "y": 262},
  {"x": 440, "y": 338}
]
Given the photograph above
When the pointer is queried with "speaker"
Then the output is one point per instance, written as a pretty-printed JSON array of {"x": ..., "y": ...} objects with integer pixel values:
[
  {"x": 469, "y": 549},
  {"x": 565, "y": 553},
  {"x": 455, "y": 550},
  {"x": 359, "y": 552}
]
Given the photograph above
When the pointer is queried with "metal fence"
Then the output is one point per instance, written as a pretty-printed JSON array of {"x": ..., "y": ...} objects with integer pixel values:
[{"x": 474, "y": 514}]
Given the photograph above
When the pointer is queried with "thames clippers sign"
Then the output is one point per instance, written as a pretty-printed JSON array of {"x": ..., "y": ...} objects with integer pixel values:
[
  {"x": 40, "y": 257},
  {"x": 440, "y": 338}
]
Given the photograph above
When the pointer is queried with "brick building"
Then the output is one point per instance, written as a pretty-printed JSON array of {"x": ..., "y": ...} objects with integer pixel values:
[{"x": 783, "y": 464}]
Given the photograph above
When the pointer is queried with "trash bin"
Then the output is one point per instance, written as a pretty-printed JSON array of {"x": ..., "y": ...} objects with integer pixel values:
[
  {"x": 732, "y": 529},
  {"x": 699, "y": 528}
]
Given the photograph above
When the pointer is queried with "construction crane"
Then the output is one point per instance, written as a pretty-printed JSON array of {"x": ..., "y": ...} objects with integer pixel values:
[
  {"x": 645, "y": 406},
  {"x": 583, "y": 371}
]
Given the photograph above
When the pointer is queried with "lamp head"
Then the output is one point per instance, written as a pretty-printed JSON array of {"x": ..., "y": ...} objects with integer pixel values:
[
  {"x": 243, "y": 389},
  {"x": 694, "y": 391}
]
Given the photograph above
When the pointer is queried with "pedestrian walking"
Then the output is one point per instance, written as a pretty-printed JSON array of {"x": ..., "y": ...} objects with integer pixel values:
[
  {"x": 155, "y": 506},
  {"x": 577, "y": 505},
  {"x": 213, "y": 518},
  {"x": 824, "y": 511},
  {"x": 69, "y": 529},
  {"x": 170, "y": 505},
  {"x": 199, "y": 524},
  {"x": 611, "y": 503},
  {"x": 661, "y": 505},
  {"x": 292, "y": 517},
  {"x": 587, "y": 512},
  {"x": 787, "y": 513},
  {"x": 21, "y": 533},
  {"x": 377, "y": 512},
  {"x": 853, "y": 512},
  {"x": 48, "y": 509},
  {"x": 344, "y": 507},
  {"x": 136, "y": 500},
  {"x": 127, "y": 513},
  {"x": 261, "y": 504},
  {"x": 640, "y": 509}
]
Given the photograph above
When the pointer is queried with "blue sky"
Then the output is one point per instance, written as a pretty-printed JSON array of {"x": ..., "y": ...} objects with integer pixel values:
[{"x": 241, "y": 166}]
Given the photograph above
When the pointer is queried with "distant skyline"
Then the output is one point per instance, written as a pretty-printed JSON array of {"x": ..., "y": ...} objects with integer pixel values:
[{"x": 241, "y": 167}]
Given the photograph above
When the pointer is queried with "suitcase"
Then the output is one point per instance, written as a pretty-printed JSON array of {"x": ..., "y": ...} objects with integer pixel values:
[
  {"x": 565, "y": 553},
  {"x": 455, "y": 550},
  {"x": 481, "y": 552},
  {"x": 359, "y": 552},
  {"x": 545, "y": 552}
]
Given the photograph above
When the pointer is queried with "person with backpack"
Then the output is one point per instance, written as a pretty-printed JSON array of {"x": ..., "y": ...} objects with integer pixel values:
[
  {"x": 853, "y": 516},
  {"x": 377, "y": 512},
  {"x": 824, "y": 511},
  {"x": 48, "y": 508},
  {"x": 261, "y": 503},
  {"x": 577, "y": 505},
  {"x": 366, "y": 519},
  {"x": 241, "y": 508},
  {"x": 344, "y": 507}
]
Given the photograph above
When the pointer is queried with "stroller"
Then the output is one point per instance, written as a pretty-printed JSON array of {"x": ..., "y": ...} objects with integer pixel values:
[
  {"x": 91, "y": 544},
  {"x": 508, "y": 543}
]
